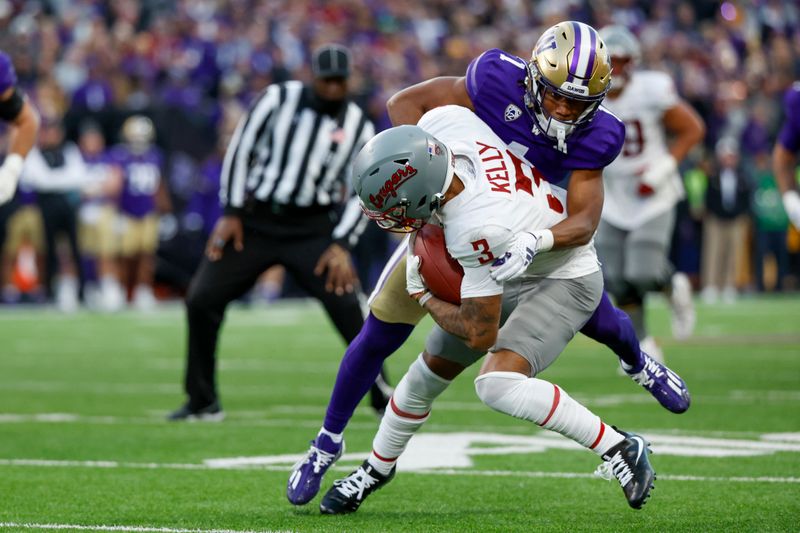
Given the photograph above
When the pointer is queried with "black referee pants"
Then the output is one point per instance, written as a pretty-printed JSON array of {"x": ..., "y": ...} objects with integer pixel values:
[{"x": 218, "y": 283}]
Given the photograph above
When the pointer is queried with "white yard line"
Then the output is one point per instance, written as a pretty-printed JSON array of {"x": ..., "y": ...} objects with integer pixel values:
[
  {"x": 44, "y": 463},
  {"x": 145, "y": 529}
]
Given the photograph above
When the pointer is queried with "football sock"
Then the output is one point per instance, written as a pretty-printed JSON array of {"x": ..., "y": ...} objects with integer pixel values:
[
  {"x": 612, "y": 327},
  {"x": 335, "y": 437},
  {"x": 360, "y": 366},
  {"x": 547, "y": 405},
  {"x": 408, "y": 409},
  {"x": 637, "y": 319}
]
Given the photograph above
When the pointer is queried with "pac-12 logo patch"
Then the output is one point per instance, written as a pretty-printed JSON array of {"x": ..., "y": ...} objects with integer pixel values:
[{"x": 512, "y": 113}]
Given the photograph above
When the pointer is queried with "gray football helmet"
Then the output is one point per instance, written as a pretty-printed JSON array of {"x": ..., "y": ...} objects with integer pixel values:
[
  {"x": 625, "y": 52},
  {"x": 401, "y": 176},
  {"x": 621, "y": 42}
]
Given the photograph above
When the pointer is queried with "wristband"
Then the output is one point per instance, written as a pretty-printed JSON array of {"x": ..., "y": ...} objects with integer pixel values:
[
  {"x": 424, "y": 298},
  {"x": 546, "y": 240}
]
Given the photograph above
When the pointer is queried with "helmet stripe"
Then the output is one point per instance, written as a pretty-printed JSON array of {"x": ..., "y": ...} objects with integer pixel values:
[
  {"x": 584, "y": 51},
  {"x": 576, "y": 52},
  {"x": 592, "y": 54}
]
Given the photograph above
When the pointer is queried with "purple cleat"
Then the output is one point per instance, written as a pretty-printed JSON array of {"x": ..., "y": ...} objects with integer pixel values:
[
  {"x": 665, "y": 385},
  {"x": 307, "y": 473}
]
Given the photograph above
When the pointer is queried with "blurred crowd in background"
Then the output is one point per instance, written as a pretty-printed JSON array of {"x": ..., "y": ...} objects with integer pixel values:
[{"x": 190, "y": 68}]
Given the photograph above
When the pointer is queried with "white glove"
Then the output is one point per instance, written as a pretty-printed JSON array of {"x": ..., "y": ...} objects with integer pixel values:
[
  {"x": 791, "y": 203},
  {"x": 657, "y": 173},
  {"x": 524, "y": 247},
  {"x": 9, "y": 176},
  {"x": 414, "y": 283}
]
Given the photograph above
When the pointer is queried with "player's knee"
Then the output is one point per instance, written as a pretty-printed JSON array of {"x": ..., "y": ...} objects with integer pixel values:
[
  {"x": 497, "y": 390},
  {"x": 418, "y": 388},
  {"x": 200, "y": 297}
]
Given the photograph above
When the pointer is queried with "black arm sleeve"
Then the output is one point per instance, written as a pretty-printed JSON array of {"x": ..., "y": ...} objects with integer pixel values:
[{"x": 11, "y": 107}]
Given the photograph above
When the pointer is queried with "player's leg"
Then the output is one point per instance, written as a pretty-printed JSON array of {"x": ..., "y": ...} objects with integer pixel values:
[
  {"x": 345, "y": 310},
  {"x": 547, "y": 316},
  {"x": 213, "y": 287},
  {"x": 609, "y": 325},
  {"x": 410, "y": 407},
  {"x": 143, "y": 296},
  {"x": 393, "y": 315}
]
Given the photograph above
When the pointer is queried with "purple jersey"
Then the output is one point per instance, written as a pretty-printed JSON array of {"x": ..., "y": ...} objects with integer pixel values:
[
  {"x": 99, "y": 167},
  {"x": 8, "y": 77},
  {"x": 496, "y": 86},
  {"x": 789, "y": 136},
  {"x": 205, "y": 199},
  {"x": 142, "y": 178}
]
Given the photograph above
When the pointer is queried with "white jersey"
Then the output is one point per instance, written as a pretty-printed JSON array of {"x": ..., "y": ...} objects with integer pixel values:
[
  {"x": 503, "y": 195},
  {"x": 641, "y": 106}
]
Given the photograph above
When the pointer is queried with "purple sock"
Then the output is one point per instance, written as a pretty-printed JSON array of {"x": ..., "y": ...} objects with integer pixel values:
[
  {"x": 360, "y": 366},
  {"x": 89, "y": 265},
  {"x": 613, "y": 327}
]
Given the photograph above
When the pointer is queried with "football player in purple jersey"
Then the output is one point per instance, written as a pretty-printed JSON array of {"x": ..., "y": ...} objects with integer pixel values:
[
  {"x": 16, "y": 110},
  {"x": 547, "y": 110},
  {"x": 141, "y": 162},
  {"x": 784, "y": 155}
]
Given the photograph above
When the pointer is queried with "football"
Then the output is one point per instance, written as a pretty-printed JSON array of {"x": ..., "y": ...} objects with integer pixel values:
[{"x": 441, "y": 273}]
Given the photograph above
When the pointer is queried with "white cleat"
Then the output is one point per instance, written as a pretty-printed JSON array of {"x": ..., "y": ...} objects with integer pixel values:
[{"x": 683, "y": 313}]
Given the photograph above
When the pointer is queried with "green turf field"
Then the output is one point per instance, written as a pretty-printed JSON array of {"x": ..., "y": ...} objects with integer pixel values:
[{"x": 83, "y": 443}]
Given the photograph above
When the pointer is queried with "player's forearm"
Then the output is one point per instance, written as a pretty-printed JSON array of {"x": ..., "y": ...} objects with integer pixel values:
[
  {"x": 408, "y": 105},
  {"x": 403, "y": 108},
  {"x": 784, "y": 163},
  {"x": 472, "y": 323},
  {"x": 687, "y": 129},
  {"x": 575, "y": 230},
  {"x": 23, "y": 135}
]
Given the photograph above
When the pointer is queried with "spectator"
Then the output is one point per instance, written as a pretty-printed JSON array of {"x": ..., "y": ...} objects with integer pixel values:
[
  {"x": 56, "y": 171},
  {"x": 771, "y": 223},
  {"x": 727, "y": 204}
]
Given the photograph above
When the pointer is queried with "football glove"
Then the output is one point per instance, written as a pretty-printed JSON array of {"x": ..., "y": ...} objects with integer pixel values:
[
  {"x": 791, "y": 203},
  {"x": 524, "y": 247},
  {"x": 9, "y": 176},
  {"x": 414, "y": 283},
  {"x": 657, "y": 174}
]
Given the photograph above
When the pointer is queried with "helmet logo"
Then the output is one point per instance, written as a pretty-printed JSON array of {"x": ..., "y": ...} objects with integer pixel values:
[
  {"x": 575, "y": 89},
  {"x": 512, "y": 113},
  {"x": 391, "y": 185}
]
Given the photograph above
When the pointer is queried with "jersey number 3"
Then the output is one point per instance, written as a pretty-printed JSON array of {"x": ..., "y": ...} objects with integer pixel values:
[{"x": 482, "y": 246}]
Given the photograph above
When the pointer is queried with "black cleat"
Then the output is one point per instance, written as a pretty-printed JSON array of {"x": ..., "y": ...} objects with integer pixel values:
[
  {"x": 347, "y": 494},
  {"x": 628, "y": 462},
  {"x": 209, "y": 413}
]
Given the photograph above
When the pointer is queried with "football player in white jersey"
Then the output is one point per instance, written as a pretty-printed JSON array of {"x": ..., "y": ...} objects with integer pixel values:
[
  {"x": 453, "y": 170},
  {"x": 642, "y": 188}
]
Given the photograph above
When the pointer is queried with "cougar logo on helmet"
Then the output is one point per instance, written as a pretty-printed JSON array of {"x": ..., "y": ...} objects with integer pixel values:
[
  {"x": 391, "y": 185},
  {"x": 399, "y": 203}
]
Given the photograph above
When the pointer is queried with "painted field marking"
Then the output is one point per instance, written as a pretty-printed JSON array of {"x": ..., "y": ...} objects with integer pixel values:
[
  {"x": 144, "y": 529},
  {"x": 358, "y": 458}
]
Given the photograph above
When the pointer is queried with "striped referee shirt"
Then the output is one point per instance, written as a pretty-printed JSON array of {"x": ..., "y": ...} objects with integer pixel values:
[{"x": 286, "y": 154}]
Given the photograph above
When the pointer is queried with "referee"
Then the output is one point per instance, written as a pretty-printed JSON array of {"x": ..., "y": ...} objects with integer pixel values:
[{"x": 282, "y": 190}]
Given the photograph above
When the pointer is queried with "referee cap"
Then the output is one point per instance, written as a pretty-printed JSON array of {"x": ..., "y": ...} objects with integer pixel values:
[{"x": 331, "y": 61}]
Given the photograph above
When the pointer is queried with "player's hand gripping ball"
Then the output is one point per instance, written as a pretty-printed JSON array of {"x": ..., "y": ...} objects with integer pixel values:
[{"x": 441, "y": 273}]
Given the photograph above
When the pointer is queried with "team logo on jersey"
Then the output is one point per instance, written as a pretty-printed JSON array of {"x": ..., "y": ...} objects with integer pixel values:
[
  {"x": 338, "y": 135},
  {"x": 512, "y": 113}
]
